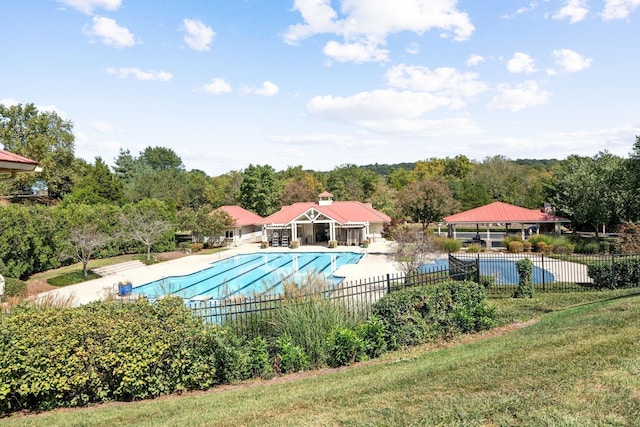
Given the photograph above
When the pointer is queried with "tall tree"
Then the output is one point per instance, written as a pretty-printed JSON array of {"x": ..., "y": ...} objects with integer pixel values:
[
  {"x": 161, "y": 158},
  {"x": 44, "y": 137},
  {"x": 260, "y": 190},
  {"x": 97, "y": 185},
  {"x": 427, "y": 201}
]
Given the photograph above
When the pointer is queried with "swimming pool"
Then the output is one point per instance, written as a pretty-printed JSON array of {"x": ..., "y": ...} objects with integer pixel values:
[
  {"x": 249, "y": 275},
  {"x": 503, "y": 271}
]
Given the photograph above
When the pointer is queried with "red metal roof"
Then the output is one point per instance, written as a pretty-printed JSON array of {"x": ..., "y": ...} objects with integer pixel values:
[
  {"x": 500, "y": 212},
  {"x": 341, "y": 212},
  {"x": 10, "y": 162},
  {"x": 241, "y": 216}
]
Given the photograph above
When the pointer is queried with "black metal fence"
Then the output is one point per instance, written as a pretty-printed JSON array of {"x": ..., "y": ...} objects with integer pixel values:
[{"x": 551, "y": 273}]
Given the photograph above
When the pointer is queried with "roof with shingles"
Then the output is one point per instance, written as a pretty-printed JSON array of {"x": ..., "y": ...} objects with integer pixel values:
[
  {"x": 341, "y": 212},
  {"x": 500, "y": 212},
  {"x": 241, "y": 216}
]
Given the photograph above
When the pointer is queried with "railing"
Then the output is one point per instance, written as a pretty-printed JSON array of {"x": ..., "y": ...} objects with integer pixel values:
[{"x": 551, "y": 273}]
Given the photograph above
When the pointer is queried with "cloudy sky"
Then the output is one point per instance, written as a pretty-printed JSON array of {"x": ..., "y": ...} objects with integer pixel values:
[{"x": 321, "y": 83}]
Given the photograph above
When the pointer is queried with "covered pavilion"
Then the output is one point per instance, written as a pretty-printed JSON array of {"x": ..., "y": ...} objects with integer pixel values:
[
  {"x": 504, "y": 214},
  {"x": 12, "y": 164}
]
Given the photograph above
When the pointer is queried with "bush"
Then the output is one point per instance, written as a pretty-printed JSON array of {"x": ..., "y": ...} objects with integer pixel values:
[
  {"x": 615, "y": 273},
  {"x": 526, "y": 246},
  {"x": 57, "y": 357},
  {"x": 373, "y": 335},
  {"x": 447, "y": 245},
  {"x": 259, "y": 362},
  {"x": 414, "y": 315},
  {"x": 474, "y": 248},
  {"x": 525, "y": 285},
  {"x": 345, "y": 347},
  {"x": 72, "y": 278},
  {"x": 487, "y": 281},
  {"x": 196, "y": 247},
  {"x": 289, "y": 357},
  {"x": 14, "y": 287},
  {"x": 515, "y": 247}
]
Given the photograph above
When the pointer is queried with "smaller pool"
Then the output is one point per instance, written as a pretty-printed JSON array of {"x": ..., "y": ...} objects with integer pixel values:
[
  {"x": 249, "y": 275},
  {"x": 503, "y": 271}
]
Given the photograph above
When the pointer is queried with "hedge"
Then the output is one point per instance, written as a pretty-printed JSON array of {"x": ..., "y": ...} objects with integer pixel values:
[{"x": 615, "y": 273}]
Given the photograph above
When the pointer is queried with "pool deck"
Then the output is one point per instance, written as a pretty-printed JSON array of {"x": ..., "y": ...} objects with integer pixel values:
[{"x": 375, "y": 263}]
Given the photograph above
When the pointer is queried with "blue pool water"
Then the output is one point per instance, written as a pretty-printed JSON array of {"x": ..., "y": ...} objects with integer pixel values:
[
  {"x": 249, "y": 275},
  {"x": 503, "y": 271}
]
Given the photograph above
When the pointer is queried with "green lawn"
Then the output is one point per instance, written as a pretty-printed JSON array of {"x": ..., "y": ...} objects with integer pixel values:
[{"x": 577, "y": 366}]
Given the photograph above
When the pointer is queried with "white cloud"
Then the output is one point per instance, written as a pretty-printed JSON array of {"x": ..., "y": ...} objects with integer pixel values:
[
  {"x": 267, "y": 89},
  {"x": 199, "y": 36},
  {"x": 102, "y": 126},
  {"x": 521, "y": 63},
  {"x": 364, "y": 24},
  {"x": 329, "y": 139},
  {"x": 474, "y": 59},
  {"x": 217, "y": 86},
  {"x": 87, "y": 6},
  {"x": 355, "y": 52},
  {"x": 575, "y": 10},
  {"x": 619, "y": 9},
  {"x": 413, "y": 49},
  {"x": 519, "y": 96},
  {"x": 571, "y": 61},
  {"x": 443, "y": 81},
  {"x": 8, "y": 102},
  {"x": 424, "y": 128},
  {"x": 125, "y": 72},
  {"x": 110, "y": 33},
  {"x": 377, "y": 105}
]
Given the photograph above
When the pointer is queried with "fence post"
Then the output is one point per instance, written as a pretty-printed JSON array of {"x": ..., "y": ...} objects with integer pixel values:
[
  {"x": 544, "y": 287},
  {"x": 477, "y": 268},
  {"x": 613, "y": 271},
  {"x": 388, "y": 283}
]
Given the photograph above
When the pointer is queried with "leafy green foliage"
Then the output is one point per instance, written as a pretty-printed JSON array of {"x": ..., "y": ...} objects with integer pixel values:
[
  {"x": 414, "y": 315},
  {"x": 14, "y": 287},
  {"x": 289, "y": 357},
  {"x": 615, "y": 273},
  {"x": 373, "y": 334},
  {"x": 259, "y": 361},
  {"x": 346, "y": 347},
  {"x": 260, "y": 190},
  {"x": 56, "y": 357},
  {"x": 525, "y": 284},
  {"x": 72, "y": 278}
]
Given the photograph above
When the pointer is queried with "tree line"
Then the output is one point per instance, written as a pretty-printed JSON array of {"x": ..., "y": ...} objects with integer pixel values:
[{"x": 593, "y": 192}]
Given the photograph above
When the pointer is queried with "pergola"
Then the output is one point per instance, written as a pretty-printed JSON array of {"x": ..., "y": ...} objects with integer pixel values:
[
  {"x": 500, "y": 213},
  {"x": 12, "y": 164}
]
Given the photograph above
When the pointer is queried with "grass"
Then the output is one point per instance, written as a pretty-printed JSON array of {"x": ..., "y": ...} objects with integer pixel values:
[{"x": 579, "y": 365}]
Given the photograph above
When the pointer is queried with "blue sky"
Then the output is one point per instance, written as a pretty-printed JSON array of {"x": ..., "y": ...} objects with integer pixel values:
[{"x": 320, "y": 83}]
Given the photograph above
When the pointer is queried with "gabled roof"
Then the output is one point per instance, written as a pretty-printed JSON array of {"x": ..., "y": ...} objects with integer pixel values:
[
  {"x": 500, "y": 212},
  {"x": 341, "y": 212},
  {"x": 10, "y": 162},
  {"x": 241, "y": 216}
]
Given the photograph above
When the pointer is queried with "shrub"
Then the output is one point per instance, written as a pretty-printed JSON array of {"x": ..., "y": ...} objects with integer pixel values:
[
  {"x": 447, "y": 245},
  {"x": 615, "y": 273},
  {"x": 373, "y": 335},
  {"x": 525, "y": 286},
  {"x": 541, "y": 247},
  {"x": 487, "y": 281},
  {"x": 365, "y": 243},
  {"x": 474, "y": 248},
  {"x": 515, "y": 247},
  {"x": 414, "y": 315},
  {"x": 14, "y": 287},
  {"x": 57, "y": 357},
  {"x": 289, "y": 357},
  {"x": 332, "y": 244},
  {"x": 72, "y": 278},
  {"x": 264, "y": 245},
  {"x": 508, "y": 239},
  {"x": 196, "y": 247},
  {"x": 259, "y": 362},
  {"x": 345, "y": 347},
  {"x": 526, "y": 246}
]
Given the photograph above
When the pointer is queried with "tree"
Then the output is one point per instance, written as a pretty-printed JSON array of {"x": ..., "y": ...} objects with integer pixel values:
[
  {"x": 427, "y": 201},
  {"x": 147, "y": 222},
  {"x": 590, "y": 190},
  {"x": 385, "y": 199},
  {"x": 350, "y": 182},
  {"x": 203, "y": 223},
  {"x": 83, "y": 243},
  {"x": 97, "y": 185},
  {"x": 43, "y": 137},
  {"x": 161, "y": 158},
  {"x": 225, "y": 189},
  {"x": 260, "y": 190},
  {"x": 413, "y": 249}
]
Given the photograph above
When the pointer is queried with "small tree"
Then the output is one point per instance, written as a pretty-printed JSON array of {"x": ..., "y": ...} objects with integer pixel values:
[
  {"x": 83, "y": 242},
  {"x": 525, "y": 284},
  {"x": 413, "y": 249},
  {"x": 145, "y": 223},
  {"x": 427, "y": 200}
]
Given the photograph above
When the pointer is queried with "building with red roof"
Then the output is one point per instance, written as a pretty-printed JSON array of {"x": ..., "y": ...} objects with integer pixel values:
[
  {"x": 346, "y": 223},
  {"x": 504, "y": 215},
  {"x": 246, "y": 226},
  {"x": 12, "y": 164}
]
